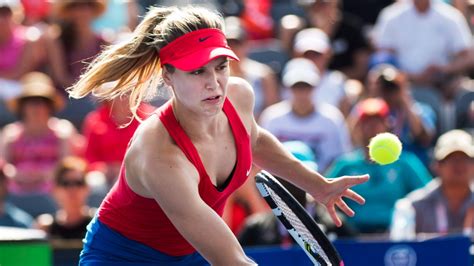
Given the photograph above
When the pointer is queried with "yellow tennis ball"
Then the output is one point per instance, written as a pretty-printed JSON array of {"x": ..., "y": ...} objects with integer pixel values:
[{"x": 385, "y": 148}]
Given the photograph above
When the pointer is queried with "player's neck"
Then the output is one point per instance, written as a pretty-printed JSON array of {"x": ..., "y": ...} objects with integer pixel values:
[{"x": 200, "y": 127}]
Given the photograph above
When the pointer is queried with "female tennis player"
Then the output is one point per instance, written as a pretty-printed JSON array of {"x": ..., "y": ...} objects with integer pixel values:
[{"x": 184, "y": 161}]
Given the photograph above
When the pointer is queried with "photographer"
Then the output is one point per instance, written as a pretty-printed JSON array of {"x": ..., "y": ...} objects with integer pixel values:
[{"x": 413, "y": 122}]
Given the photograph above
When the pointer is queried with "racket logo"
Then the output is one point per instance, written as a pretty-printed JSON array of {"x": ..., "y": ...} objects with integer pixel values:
[{"x": 310, "y": 249}]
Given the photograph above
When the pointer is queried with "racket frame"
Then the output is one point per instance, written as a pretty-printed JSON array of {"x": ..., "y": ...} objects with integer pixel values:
[{"x": 263, "y": 179}]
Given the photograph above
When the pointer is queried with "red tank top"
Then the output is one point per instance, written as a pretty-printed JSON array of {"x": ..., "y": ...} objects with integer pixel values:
[{"x": 141, "y": 219}]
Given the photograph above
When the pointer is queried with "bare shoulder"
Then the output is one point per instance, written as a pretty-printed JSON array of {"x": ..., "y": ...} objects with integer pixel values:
[
  {"x": 151, "y": 142},
  {"x": 241, "y": 94},
  {"x": 153, "y": 156}
]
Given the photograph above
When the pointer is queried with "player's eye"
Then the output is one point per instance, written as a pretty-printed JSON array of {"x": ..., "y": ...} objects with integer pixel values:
[
  {"x": 222, "y": 67},
  {"x": 197, "y": 72}
]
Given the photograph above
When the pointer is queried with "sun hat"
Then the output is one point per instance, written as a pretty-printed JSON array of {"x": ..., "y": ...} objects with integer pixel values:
[{"x": 36, "y": 84}]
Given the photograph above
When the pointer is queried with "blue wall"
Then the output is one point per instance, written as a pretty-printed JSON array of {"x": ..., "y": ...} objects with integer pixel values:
[{"x": 446, "y": 251}]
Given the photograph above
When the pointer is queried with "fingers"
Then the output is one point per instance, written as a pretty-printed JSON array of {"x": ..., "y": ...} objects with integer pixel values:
[
  {"x": 350, "y": 181},
  {"x": 343, "y": 206},
  {"x": 333, "y": 214},
  {"x": 349, "y": 193}
]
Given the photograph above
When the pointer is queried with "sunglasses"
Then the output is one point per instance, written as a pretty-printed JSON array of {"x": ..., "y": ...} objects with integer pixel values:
[{"x": 71, "y": 183}]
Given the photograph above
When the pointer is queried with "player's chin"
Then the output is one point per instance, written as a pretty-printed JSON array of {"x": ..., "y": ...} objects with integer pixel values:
[{"x": 212, "y": 110}]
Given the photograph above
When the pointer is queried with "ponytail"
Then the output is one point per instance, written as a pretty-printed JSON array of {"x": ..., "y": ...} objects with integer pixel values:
[{"x": 134, "y": 66}]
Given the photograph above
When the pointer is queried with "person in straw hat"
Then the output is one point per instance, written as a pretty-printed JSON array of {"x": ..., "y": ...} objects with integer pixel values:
[
  {"x": 38, "y": 140},
  {"x": 446, "y": 204}
]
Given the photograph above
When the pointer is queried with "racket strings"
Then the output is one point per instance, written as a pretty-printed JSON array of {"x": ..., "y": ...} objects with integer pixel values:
[{"x": 298, "y": 225}]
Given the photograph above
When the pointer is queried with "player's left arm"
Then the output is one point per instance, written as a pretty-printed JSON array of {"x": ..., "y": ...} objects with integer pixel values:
[{"x": 269, "y": 154}]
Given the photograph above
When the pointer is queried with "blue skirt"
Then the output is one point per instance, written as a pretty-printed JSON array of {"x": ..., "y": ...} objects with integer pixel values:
[{"x": 104, "y": 246}]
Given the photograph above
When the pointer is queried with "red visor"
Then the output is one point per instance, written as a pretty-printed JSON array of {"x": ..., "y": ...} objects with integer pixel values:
[{"x": 195, "y": 49}]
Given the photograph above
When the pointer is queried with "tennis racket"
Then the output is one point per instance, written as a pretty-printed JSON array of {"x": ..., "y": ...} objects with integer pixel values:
[{"x": 297, "y": 221}]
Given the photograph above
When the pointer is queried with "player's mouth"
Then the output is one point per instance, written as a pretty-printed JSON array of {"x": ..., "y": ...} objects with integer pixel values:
[{"x": 213, "y": 99}]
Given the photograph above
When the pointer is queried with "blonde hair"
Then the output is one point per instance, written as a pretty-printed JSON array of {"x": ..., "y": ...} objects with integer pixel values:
[{"x": 135, "y": 64}]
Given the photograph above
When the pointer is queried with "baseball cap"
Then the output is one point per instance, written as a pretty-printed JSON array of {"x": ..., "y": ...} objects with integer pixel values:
[
  {"x": 300, "y": 70},
  {"x": 453, "y": 141},
  {"x": 312, "y": 39},
  {"x": 372, "y": 107},
  {"x": 195, "y": 49}
]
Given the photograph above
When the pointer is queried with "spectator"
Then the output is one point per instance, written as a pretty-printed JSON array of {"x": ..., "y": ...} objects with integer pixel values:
[
  {"x": 108, "y": 131},
  {"x": 315, "y": 45},
  {"x": 36, "y": 143},
  {"x": 412, "y": 121},
  {"x": 36, "y": 11},
  {"x": 10, "y": 215},
  {"x": 17, "y": 44},
  {"x": 350, "y": 46},
  {"x": 387, "y": 183},
  {"x": 457, "y": 95},
  {"x": 258, "y": 20},
  {"x": 77, "y": 40},
  {"x": 70, "y": 192},
  {"x": 260, "y": 76},
  {"x": 441, "y": 206},
  {"x": 72, "y": 47},
  {"x": 20, "y": 52},
  {"x": 429, "y": 39},
  {"x": 320, "y": 126}
]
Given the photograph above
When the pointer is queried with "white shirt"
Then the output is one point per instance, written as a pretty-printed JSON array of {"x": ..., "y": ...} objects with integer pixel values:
[
  {"x": 330, "y": 89},
  {"x": 423, "y": 39},
  {"x": 324, "y": 130}
]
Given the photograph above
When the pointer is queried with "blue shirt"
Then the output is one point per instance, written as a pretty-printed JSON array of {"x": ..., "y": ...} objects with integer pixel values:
[{"x": 386, "y": 185}]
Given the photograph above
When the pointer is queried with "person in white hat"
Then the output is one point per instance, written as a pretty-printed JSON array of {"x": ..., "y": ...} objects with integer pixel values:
[
  {"x": 315, "y": 45},
  {"x": 319, "y": 125}
]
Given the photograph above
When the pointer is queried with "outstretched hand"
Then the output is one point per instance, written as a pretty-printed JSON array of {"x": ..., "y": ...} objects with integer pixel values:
[{"x": 332, "y": 195}]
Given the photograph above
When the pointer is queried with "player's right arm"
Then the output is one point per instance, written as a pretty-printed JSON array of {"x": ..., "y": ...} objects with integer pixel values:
[{"x": 158, "y": 169}]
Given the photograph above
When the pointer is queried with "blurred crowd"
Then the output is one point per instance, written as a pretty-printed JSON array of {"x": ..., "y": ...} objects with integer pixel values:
[{"x": 328, "y": 75}]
